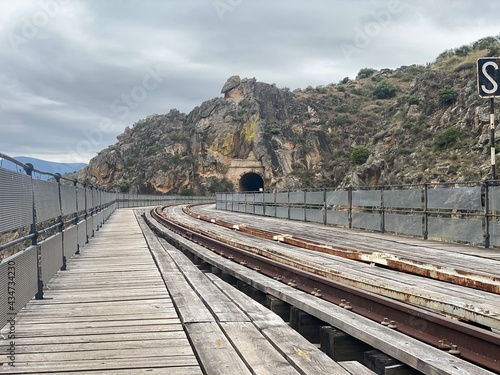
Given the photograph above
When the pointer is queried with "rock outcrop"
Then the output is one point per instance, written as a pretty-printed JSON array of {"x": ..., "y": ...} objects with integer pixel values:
[{"x": 418, "y": 123}]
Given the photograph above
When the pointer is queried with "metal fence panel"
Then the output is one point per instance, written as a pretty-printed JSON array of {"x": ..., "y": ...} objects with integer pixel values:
[
  {"x": 270, "y": 211},
  {"x": 334, "y": 217},
  {"x": 297, "y": 214},
  {"x": 259, "y": 210},
  {"x": 495, "y": 233},
  {"x": 52, "y": 253},
  {"x": 90, "y": 226},
  {"x": 25, "y": 276},
  {"x": 315, "y": 197},
  {"x": 46, "y": 200},
  {"x": 403, "y": 198},
  {"x": 465, "y": 198},
  {"x": 68, "y": 199},
  {"x": 281, "y": 212},
  {"x": 82, "y": 233},
  {"x": 281, "y": 198},
  {"x": 315, "y": 216},
  {"x": 404, "y": 224},
  {"x": 494, "y": 198},
  {"x": 367, "y": 198},
  {"x": 81, "y": 199},
  {"x": 95, "y": 198},
  {"x": 337, "y": 198},
  {"x": 259, "y": 197},
  {"x": 467, "y": 230},
  {"x": 16, "y": 200},
  {"x": 249, "y": 209},
  {"x": 366, "y": 221},
  {"x": 88, "y": 198},
  {"x": 297, "y": 197},
  {"x": 70, "y": 242}
]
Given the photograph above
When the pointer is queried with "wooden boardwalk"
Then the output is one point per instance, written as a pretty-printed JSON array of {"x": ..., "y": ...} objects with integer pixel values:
[{"x": 109, "y": 313}]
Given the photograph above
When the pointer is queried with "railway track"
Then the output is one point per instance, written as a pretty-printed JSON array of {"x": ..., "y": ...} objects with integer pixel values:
[{"x": 471, "y": 343}]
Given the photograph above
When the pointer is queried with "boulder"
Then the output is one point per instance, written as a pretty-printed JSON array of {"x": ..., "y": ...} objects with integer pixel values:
[{"x": 230, "y": 84}]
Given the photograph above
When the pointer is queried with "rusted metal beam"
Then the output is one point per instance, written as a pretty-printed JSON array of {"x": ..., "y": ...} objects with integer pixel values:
[{"x": 458, "y": 276}]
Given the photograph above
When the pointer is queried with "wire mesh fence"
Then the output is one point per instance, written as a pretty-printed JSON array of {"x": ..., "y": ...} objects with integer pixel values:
[{"x": 460, "y": 212}]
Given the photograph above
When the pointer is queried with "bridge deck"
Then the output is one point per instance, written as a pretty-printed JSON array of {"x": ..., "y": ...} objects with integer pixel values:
[{"x": 109, "y": 313}]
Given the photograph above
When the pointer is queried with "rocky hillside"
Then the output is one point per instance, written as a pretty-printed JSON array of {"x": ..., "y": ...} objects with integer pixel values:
[{"x": 409, "y": 125}]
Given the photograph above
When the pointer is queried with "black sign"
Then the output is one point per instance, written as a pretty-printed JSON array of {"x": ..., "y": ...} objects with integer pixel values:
[{"x": 488, "y": 77}]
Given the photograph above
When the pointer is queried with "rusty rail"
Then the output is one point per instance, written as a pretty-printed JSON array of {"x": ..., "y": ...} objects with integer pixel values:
[
  {"x": 463, "y": 277},
  {"x": 474, "y": 344}
]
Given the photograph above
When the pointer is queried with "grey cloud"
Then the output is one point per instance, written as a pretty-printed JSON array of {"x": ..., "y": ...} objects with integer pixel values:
[{"x": 78, "y": 71}]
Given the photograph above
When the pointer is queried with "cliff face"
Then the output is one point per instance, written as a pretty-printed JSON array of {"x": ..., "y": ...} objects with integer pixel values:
[{"x": 412, "y": 124}]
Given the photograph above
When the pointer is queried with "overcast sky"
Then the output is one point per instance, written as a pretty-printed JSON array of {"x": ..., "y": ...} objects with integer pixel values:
[{"x": 75, "y": 73}]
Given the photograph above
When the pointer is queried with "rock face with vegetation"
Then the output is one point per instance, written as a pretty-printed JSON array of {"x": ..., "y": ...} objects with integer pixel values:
[{"x": 408, "y": 125}]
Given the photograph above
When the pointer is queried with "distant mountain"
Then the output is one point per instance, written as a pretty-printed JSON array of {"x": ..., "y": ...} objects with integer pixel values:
[{"x": 46, "y": 166}]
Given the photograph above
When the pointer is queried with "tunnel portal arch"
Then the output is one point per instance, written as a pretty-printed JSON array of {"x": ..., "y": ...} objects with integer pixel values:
[{"x": 251, "y": 182}]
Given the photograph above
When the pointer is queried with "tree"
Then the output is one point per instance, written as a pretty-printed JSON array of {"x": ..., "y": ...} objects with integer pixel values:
[
  {"x": 124, "y": 186},
  {"x": 366, "y": 73},
  {"x": 384, "y": 90},
  {"x": 447, "y": 139},
  {"x": 360, "y": 155}
]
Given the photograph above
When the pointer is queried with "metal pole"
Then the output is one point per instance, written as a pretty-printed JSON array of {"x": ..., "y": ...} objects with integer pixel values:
[
  {"x": 492, "y": 138},
  {"x": 486, "y": 215}
]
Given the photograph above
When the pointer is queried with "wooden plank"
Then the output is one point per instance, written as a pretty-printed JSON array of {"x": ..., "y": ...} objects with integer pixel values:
[
  {"x": 256, "y": 351},
  {"x": 298, "y": 351},
  {"x": 109, "y": 313},
  {"x": 253, "y": 309},
  {"x": 103, "y": 364},
  {"x": 216, "y": 354},
  {"x": 356, "y": 368}
]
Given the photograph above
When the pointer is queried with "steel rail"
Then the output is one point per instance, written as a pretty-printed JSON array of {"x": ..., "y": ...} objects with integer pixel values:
[
  {"x": 482, "y": 315},
  {"x": 463, "y": 277},
  {"x": 471, "y": 343}
]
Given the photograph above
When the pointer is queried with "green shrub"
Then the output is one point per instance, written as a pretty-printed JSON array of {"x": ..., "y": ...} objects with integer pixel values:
[
  {"x": 360, "y": 155},
  {"x": 384, "y": 90},
  {"x": 187, "y": 192},
  {"x": 447, "y": 96},
  {"x": 124, "y": 186},
  {"x": 413, "y": 101},
  {"x": 275, "y": 130},
  {"x": 447, "y": 139},
  {"x": 366, "y": 73},
  {"x": 217, "y": 186}
]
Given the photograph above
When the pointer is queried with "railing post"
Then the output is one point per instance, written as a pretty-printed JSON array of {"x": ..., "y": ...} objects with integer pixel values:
[
  {"x": 34, "y": 233},
  {"x": 275, "y": 203},
  {"x": 325, "y": 213},
  {"x": 486, "y": 215},
  {"x": 85, "y": 215},
  {"x": 75, "y": 184},
  {"x": 426, "y": 212},
  {"x": 349, "y": 201},
  {"x": 382, "y": 210},
  {"x": 60, "y": 229},
  {"x": 305, "y": 205},
  {"x": 288, "y": 201}
]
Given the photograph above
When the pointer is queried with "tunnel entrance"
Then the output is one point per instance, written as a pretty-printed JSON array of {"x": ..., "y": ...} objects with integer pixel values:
[{"x": 251, "y": 182}]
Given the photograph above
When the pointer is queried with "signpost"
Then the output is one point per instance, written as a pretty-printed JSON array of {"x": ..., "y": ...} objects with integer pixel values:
[{"x": 488, "y": 85}]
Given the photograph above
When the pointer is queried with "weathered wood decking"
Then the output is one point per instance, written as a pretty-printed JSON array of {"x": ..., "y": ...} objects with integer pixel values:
[
  {"x": 132, "y": 304},
  {"x": 109, "y": 313}
]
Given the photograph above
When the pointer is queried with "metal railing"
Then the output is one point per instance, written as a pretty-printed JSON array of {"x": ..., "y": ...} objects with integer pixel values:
[
  {"x": 457, "y": 212},
  {"x": 43, "y": 224}
]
